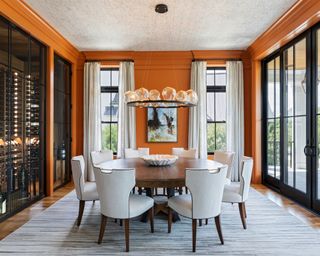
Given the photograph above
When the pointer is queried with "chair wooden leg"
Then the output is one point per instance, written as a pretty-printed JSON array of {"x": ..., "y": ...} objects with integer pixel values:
[
  {"x": 81, "y": 208},
  {"x": 180, "y": 190},
  {"x": 187, "y": 191},
  {"x": 140, "y": 191},
  {"x": 93, "y": 202},
  {"x": 206, "y": 221},
  {"x": 218, "y": 226},
  {"x": 200, "y": 222},
  {"x": 245, "y": 210},
  {"x": 102, "y": 228},
  {"x": 126, "y": 228},
  {"x": 242, "y": 215},
  {"x": 194, "y": 234},
  {"x": 169, "y": 219},
  {"x": 151, "y": 213},
  {"x": 120, "y": 223}
]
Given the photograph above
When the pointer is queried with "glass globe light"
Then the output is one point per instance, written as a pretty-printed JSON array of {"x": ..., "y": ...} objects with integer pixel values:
[
  {"x": 168, "y": 93},
  {"x": 142, "y": 93},
  {"x": 154, "y": 95},
  {"x": 181, "y": 96},
  {"x": 193, "y": 97},
  {"x": 130, "y": 96}
]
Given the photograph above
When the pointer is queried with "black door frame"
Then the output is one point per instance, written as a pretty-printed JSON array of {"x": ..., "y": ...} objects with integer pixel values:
[
  {"x": 307, "y": 199},
  {"x": 69, "y": 141},
  {"x": 315, "y": 202}
]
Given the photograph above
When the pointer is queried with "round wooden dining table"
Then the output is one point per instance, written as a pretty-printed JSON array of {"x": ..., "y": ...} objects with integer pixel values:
[{"x": 160, "y": 176}]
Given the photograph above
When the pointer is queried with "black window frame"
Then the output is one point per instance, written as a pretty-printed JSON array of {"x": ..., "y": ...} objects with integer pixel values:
[
  {"x": 110, "y": 90},
  {"x": 215, "y": 89}
]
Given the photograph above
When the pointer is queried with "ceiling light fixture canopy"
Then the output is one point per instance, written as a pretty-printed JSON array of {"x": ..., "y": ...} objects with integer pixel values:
[
  {"x": 170, "y": 98},
  {"x": 161, "y": 8}
]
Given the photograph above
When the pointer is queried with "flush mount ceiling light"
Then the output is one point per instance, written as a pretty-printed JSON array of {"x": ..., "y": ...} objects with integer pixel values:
[{"x": 161, "y": 8}]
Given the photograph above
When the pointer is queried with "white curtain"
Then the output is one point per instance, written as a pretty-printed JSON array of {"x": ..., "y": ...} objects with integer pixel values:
[
  {"x": 197, "y": 137},
  {"x": 92, "y": 114},
  {"x": 235, "y": 115},
  {"x": 127, "y": 115}
]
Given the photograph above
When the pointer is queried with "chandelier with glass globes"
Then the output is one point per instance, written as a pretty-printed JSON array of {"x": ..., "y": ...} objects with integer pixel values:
[{"x": 143, "y": 98}]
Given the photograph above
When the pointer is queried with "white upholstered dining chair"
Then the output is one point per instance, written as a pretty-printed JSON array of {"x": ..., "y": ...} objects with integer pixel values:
[
  {"x": 85, "y": 190},
  {"x": 198, "y": 205},
  {"x": 238, "y": 192},
  {"x": 135, "y": 153},
  {"x": 227, "y": 158},
  {"x": 98, "y": 157},
  {"x": 181, "y": 152},
  {"x": 116, "y": 202}
]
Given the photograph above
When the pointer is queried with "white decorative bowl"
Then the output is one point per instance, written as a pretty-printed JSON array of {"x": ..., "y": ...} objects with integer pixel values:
[{"x": 160, "y": 160}]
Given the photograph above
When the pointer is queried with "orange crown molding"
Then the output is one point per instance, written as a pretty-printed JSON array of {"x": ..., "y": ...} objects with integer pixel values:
[
  {"x": 301, "y": 16},
  {"x": 25, "y": 17},
  {"x": 138, "y": 55}
]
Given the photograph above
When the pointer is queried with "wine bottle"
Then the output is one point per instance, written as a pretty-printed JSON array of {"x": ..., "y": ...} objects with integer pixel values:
[{"x": 3, "y": 204}]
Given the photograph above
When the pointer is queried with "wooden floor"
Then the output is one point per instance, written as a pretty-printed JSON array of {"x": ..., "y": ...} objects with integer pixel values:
[
  {"x": 303, "y": 214},
  {"x": 10, "y": 225},
  {"x": 13, "y": 223}
]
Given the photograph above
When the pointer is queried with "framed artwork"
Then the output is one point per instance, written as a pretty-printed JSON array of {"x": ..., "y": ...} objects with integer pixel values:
[{"x": 162, "y": 125}]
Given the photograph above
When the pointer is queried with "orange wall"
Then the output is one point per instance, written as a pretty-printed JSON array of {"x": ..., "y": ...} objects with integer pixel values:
[{"x": 156, "y": 70}]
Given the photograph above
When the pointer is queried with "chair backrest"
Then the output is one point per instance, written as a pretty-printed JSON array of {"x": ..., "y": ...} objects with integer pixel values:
[
  {"x": 245, "y": 179},
  {"x": 135, "y": 153},
  {"x": 78, "y": 173},
  {"x": 206, "y": 188},
  {"x": 98, "y": 157},
  {"x": 114, "y": 187},
  {"x": 181, "y": 152},
  {"x": 225, "y": 157}
]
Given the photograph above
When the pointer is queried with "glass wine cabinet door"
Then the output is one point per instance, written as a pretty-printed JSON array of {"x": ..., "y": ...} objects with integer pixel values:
[
  {"x": 62, "y": 121},
  {"x": 22, "y": 109}
]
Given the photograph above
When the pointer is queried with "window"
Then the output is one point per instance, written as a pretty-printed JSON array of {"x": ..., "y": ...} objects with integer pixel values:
[
  {"x": 109, "y": 108},
  {"x": 216, "y": 109}
]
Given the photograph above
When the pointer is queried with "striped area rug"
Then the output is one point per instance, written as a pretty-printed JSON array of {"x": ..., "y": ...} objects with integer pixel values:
[{"x": 271, "y": 231}]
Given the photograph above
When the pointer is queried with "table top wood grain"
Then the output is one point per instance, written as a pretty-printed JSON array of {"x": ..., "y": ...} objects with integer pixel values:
[{"x": 160, "y": 176}]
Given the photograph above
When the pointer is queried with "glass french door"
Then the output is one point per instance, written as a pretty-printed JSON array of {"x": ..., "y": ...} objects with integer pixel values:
[
  {"x": 292, "y": 119},
  {"x": 316, "y": 82}
]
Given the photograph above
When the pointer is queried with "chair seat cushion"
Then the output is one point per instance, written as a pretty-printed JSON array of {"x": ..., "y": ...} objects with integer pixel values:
[
  {"x": 139, "y": 204},
  {"x": 90, "y": 192},
  {"x": 231, "y": 193},
  {"x": 228, "y": 181},
  {"x": 182, "y": 204}
]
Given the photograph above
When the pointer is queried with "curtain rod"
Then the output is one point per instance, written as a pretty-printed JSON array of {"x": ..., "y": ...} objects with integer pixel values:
[
  {"x": 101, "y": 60},
  {"x": 226, "y": 59}
]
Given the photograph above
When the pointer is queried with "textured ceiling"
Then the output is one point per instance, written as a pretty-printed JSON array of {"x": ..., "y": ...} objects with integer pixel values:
[{"x": 134, "y": 25}]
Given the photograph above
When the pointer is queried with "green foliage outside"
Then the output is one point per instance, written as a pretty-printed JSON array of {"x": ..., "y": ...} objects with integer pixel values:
[
  {"x": 106, "y": 137},
  {"x": 218, "y": 142},
  {"x": 273, "y": 146}
]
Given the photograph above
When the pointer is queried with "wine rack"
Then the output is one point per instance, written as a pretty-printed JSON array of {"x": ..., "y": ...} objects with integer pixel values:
[{"x": 22, "y": 125}]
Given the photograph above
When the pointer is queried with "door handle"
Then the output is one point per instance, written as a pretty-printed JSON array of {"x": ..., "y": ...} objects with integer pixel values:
[{"x": 310, "y": 150}]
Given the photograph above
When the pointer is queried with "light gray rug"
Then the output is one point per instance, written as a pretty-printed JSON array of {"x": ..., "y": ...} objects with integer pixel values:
[{"x": 271, "y": 231}]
